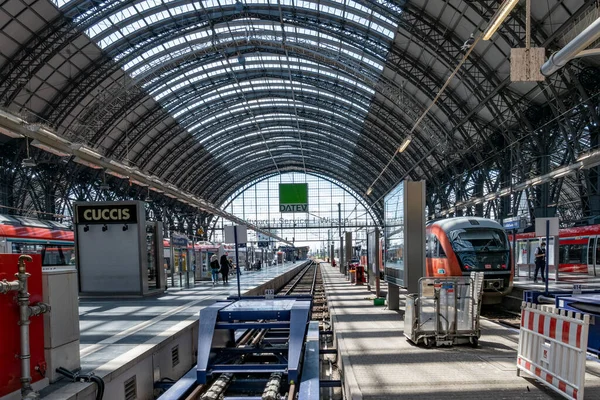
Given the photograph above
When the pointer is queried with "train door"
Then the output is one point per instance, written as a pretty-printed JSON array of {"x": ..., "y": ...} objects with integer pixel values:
[{"x": 593, "y": 256}]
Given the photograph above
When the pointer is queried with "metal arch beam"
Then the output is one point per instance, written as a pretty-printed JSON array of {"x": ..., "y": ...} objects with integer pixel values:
[
  {"x": 224, "y": 191},
  {"x": 370, "y": 40},
  {"x": 214, "y": 182},
  {"x": 294, "y": 166},
  {"x": 306, "y": 80},
  {"x": 377, "y": 109},
  {"x": 332, "y": 150},
  {"x": 151, "y": 116},
  {"x": 205, "y": 180},
  {"x": 92, "y": 77},
  {"x": 144, "y": 162},
  {"x": 290, "y": 133},
  {"x": 260, "y": 176},
  {"x": 233, "y": 118},
  {"x": 316, "y": 117}
]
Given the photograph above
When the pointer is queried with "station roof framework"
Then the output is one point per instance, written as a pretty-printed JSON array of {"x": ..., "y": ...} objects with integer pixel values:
[{"x": 212, "y": 95}]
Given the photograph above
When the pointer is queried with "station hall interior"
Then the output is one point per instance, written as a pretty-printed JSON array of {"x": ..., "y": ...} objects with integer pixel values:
[{"x": 299, "y": 199}]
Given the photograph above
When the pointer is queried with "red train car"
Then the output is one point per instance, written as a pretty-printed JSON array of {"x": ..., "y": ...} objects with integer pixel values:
[
  {"x": 52, "y": 240},
  {"x": 461, "y": 245},
  {"x": 579, "y": 249}
]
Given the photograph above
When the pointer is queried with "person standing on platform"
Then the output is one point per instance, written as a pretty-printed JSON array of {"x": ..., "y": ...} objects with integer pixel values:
[
  {"x": 225, "y": 268},
  {"x": 540, "y": 262},
  {"x": 215, "y": 268}
]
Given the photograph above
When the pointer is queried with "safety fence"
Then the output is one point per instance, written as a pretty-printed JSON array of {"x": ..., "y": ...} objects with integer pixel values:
[{"x": 552, "y": 348}]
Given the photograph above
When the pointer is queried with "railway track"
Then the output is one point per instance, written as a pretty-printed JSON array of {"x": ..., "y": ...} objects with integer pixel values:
[{"x": 250, "y": 344}]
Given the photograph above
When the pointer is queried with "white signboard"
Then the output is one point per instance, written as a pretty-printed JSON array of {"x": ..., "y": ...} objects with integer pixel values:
[
  {"x": 242, "y": 234},
  {"x": 540, "y": 227},
  {"x": 269, "y": 294}
]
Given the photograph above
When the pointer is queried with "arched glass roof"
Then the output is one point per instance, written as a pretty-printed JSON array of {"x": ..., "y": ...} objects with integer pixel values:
[
  {"x": 258, "y": 202},
  {"x": 209, "y": 95}
]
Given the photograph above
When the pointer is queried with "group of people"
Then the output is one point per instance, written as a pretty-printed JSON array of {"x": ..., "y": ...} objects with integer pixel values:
[{"x": 223, "y": 266}]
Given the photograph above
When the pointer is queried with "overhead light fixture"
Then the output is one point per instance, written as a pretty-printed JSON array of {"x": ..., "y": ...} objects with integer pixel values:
[
  {"x": 28, "y": 162},
  {"x": 505, "y": 9},
  {"x": 11, "y": 134},
  {"x": 137, "y": 182},
  {"x": 84, "y": 149},
  {"x": 86, "y": 163},
  {"x": 478, "y": 200},
  {"x": 561, "y": 174},
  {"x": 157, "y": 190},
  {"x": 536, "y": 181},
  {"x": 369, "y": 191},
  {"x": 505, "y": 191},
  {"x": 405, "y": 144},
  {"x": 116, "y": 174},
  {"x": 49, "y": 149}
]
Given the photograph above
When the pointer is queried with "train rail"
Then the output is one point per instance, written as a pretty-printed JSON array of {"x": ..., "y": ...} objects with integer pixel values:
[{"x": 258, "y": 352}]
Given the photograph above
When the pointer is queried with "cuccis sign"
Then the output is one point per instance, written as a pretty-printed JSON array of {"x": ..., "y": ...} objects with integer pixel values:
[{"x": 107, "y": 214}]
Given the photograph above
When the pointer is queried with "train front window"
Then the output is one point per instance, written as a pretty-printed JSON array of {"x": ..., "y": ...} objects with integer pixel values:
[{"x": 480, "y": 248}]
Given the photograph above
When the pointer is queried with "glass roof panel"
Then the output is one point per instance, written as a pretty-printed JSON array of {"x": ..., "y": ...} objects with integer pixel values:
[
  {"x": 321, "y": 40},
  {"x": 349, "y": 10},
  {"x": 352, "y": 41}
]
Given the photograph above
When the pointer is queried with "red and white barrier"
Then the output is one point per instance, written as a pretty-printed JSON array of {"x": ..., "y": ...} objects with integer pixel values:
[{"x": 552, "y": 348}]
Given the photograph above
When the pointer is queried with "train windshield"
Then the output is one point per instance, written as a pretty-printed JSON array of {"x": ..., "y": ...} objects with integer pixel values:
[{"x": 480, "y": 248}]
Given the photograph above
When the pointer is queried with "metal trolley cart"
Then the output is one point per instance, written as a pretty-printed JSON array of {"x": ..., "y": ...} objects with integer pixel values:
[{"x": 445, "y": 312}]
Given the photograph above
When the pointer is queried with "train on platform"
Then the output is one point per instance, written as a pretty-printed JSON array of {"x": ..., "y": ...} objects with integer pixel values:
[
  {"x": 578, "y": 251},
  {"x": 461, "y": 245},
  {"x": 54, "y": 241}
]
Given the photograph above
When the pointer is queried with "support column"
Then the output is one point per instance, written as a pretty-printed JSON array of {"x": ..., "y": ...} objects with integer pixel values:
[
  {"x": 348, "y": 251},
  {"x": 342, "y": 254}
]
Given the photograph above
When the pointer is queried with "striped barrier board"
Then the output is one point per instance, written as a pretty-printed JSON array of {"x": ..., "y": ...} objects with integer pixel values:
[{"x": 552, "y": 348}]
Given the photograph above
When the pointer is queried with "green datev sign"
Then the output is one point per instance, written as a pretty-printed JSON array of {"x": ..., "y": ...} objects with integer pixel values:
[{"x": 293, "y": 197}]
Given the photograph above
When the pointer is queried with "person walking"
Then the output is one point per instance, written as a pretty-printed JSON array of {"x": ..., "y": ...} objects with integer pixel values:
[
  {"x": 225, "y": 268},
  {"x": 540, "y": 262},
  {"x": 215, "y": 268}
]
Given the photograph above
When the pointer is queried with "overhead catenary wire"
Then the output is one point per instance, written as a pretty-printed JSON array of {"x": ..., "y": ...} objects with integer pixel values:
[{"x": 426, "y": 111}]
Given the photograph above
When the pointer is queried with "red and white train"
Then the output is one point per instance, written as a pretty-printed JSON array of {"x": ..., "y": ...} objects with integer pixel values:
[
  {"x": 461, "y": 245},
  {"x": 52, "y": 240},
  {"x": 579, "y": 249}
]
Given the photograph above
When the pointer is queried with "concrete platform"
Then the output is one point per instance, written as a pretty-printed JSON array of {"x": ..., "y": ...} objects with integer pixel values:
[
  {"x": 125, "y": 338},
  {"x": 378, "y": 362}
]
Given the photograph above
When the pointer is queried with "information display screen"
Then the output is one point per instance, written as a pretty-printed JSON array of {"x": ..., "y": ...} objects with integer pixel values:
[{"x": 394, "y": 236}]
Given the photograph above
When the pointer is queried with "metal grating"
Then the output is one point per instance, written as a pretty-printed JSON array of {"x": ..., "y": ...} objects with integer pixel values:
[
  {"x": 131, "y": 388},
  {"x": 175, "y": 355}
]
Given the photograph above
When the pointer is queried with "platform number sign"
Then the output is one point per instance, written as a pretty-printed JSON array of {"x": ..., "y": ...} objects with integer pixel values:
[
  {"x": 577, "y": 288},
  {"x": 269, "y": 294}
]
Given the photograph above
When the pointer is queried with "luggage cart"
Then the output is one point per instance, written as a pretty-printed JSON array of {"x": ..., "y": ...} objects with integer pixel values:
[{"x": 445, "y": 312}]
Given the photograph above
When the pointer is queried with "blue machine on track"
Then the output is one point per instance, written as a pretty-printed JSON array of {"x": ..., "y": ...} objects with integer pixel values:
[{"x": 255, "y": 345}]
